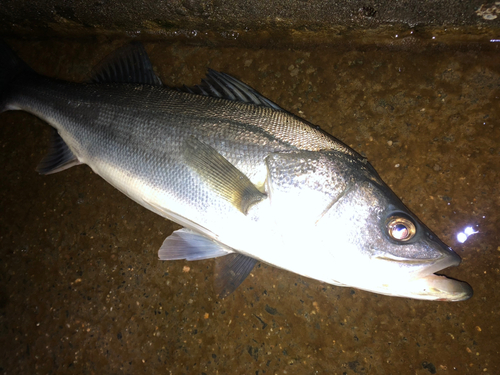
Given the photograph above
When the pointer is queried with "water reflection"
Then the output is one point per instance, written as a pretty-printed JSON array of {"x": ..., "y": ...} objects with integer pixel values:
[{"x": 468, "y": 231}]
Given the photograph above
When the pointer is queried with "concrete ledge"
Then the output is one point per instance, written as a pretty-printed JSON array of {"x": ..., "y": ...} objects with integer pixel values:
[{"x": 87, "y": 18}]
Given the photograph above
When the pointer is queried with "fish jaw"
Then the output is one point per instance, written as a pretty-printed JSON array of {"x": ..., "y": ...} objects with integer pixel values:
[
  {"x": 432, "y": 287},
  {"x": 423, "y": 284}
]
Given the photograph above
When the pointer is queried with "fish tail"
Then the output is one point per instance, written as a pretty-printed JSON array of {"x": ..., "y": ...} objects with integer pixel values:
[{"x": 11, "y": 68}]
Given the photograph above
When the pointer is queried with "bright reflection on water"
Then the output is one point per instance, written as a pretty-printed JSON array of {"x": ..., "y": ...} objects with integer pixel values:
[{"x": 462, "y": 236}]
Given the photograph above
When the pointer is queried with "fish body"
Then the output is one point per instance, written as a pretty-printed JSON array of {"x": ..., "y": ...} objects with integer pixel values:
[{"x": 247, "y": 180}]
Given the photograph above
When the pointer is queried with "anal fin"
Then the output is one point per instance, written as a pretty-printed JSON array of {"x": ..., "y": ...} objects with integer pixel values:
[
  {"x": 59, "y": 157},
  {"x": 230, "y": 271}
]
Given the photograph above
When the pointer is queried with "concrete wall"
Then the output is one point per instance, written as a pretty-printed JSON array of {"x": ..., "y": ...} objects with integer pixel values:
[{"x": 155, "y": 17}]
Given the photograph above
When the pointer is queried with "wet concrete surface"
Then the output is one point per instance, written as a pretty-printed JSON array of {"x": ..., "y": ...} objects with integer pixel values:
[
  {"x": 82, "y": 290},
  {"x": 60, "y": 17}
]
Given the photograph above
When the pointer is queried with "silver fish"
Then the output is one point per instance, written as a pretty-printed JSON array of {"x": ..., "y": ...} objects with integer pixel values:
[{"x": 247, "y": 180}]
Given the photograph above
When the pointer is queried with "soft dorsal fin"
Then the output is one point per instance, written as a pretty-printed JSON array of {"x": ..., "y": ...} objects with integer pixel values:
[
  {"x": 129, "y": 64},
  {"x": 59, "y": 157},
  {"x": 222, "y": 85},
  {"x": 221, "y": 176}
]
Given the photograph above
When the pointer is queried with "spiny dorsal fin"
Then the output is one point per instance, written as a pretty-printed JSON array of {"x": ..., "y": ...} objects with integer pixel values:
[
  {"x": 59, "y": 157},
  {"x": 222, "y": 85},
  {"x": 129, "y": 64},
  {"x": 222, "y": 177}
]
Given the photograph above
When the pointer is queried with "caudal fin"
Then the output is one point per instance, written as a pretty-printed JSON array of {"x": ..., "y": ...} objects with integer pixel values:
[{"x": 11, "y": 67}]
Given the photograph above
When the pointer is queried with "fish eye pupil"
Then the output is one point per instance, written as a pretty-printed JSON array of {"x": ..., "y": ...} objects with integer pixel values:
[
  {"x": 400, "y": 232},
  {"x": 400, "y": 228}
]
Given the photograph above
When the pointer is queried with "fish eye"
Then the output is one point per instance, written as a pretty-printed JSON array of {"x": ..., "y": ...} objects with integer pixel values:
[{"x": 400, "y": 228}]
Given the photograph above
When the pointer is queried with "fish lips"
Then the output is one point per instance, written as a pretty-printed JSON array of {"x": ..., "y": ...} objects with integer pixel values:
[
  {"x": 442, "y": 257},
  {"x": 440, "y": 287},
  {"x": 425, "y": 283}
]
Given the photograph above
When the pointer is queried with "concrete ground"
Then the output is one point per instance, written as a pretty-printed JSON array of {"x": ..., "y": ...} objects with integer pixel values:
[{"x": 82, "y": 291}]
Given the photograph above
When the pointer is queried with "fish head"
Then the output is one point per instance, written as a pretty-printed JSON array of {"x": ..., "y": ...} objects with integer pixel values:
[
  {"x": 365, "y": 237},
  {"x": 394, "y": 252}
]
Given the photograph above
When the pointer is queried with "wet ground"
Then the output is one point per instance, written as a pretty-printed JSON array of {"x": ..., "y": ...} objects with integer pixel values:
[{"x": 82, "y": 290}]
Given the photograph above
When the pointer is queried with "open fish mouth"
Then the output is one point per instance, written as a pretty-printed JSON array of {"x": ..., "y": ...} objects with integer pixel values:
[
  {"x": 435, "y": 287},
  {"x": 426, "y": 283}
]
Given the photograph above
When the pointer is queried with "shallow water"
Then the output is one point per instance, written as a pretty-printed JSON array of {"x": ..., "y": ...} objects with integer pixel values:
[{"x": 82, "y": 290}]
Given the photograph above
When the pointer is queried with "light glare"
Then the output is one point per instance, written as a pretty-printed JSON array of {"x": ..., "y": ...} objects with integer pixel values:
[
  {"x": 462, "y": 236},
  {"x": 468, "y": 231}
]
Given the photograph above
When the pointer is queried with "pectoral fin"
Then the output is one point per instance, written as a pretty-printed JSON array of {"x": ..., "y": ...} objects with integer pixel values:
[{"x": 222, "y": 177}]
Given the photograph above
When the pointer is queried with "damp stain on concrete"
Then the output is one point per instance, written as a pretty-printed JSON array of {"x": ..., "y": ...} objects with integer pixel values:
[{"x": 82, "y": 290}]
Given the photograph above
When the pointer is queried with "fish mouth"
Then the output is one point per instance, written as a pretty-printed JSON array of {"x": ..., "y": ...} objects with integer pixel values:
[
  {"x": 440, "y": 288},
  {"x": 426, "y": 284},
  {"x": 432, "y": 286}
]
